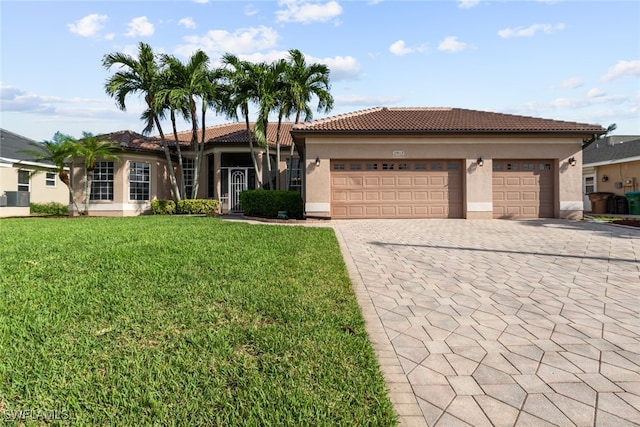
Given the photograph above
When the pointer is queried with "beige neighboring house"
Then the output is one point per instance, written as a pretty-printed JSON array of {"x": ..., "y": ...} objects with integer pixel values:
[
  {"x": 611, "y": 165},
  {"x": 442, "y": 163},
  {"x": 127, "y": 187},
  {"x": 19, "y": 186}
]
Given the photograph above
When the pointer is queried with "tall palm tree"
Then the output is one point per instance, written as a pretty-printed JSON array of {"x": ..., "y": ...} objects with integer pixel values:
[
  {"x": 92, "y": 149},
  {"x": 59, "y": 151},
  {"x": 188, "y": 83},
  {"x": 302, "y": 83},
  {"x": 140, "y": 75},
  {"x": 241, "y": 89}
]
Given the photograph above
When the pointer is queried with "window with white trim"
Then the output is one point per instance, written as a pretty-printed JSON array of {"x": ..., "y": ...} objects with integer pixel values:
[
  {"x": 188, "y": 172},
  {"x": 139, "y": 180},
  {"x": 24, "y": 178},
  {"x": 102, "y": 184},
  {"x": 50, "y": 179}
]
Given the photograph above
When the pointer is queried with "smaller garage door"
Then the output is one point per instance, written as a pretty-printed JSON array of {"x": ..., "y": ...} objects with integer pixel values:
[
  {"x": 523, "y": 189},
  {"x": 396, "y": 188}
]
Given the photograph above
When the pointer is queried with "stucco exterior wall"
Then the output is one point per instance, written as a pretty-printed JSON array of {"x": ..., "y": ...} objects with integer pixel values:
[
  {"x": 621, "y": 178},
  {"x": 477, "y": 180},
  {"x": 39, "y": 192},
  {"x": 121, "y": 205}
]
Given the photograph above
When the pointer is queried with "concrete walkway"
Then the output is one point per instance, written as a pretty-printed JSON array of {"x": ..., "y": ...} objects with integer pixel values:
[{"x": 501, "y": 323}]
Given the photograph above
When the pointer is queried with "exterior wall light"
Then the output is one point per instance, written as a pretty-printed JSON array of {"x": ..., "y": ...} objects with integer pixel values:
[
  {"x": 573, "y": 161},
  {"x": 480, "y": 161},
  {"x": 317, "y": 161}
]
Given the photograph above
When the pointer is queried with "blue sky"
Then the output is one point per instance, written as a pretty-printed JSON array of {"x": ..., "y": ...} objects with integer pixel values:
[{"x": 565, "y": 60}]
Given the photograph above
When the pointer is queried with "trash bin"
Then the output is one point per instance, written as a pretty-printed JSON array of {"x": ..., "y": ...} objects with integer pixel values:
[
  {"x": 633, "y": 198},
  {"x": 599, "y": 202},
  {"x": 618, "y": 205}
]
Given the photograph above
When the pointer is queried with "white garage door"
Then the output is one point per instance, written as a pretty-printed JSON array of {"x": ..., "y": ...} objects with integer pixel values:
[
  {"x": 396, "y": 189},
  {"x": 523, "y": 189}
]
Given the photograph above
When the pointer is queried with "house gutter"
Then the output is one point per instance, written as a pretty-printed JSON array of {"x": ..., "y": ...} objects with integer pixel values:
[{"x": 612, "y": 162}]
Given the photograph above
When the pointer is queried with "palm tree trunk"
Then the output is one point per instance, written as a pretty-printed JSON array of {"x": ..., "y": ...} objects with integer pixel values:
[
  {"x": 278, "y": 150},
  {"x": 167, "y": 154},
  {"x": 64, "y": 177},
  {"x": 179, "y": 150},
  {"x": 88, "y": 179},
  {"x": 252, "y": 150},
  {"x": 199, "y": 155}
]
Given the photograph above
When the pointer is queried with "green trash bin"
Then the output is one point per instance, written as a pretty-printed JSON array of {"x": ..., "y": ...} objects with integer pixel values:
[{"x": 633, "y": 198}]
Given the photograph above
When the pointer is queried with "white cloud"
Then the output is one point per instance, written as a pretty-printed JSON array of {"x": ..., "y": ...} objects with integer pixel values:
[
  {"x": 201, "y": 1},
  {"x": 241, "y": 41},
  {"x": 140, "y": 26},
  {"x": 250, "y": 10},
  {"x": 399, "y": 48},
  {"x": 306, "y": 11},
  {"x": 468, "y": 4},
  {"x": 572, "y": 83},
  {"x": 530, "y": 31},
  {"x": 187, "y": 23},
  {"x": 342, "y": 67},
  {"x": 595, "y": 93},
  {"x": 88, "y": 26},
  {"x": 451, "y": 44},
  {"x": 623, "y": 69}
]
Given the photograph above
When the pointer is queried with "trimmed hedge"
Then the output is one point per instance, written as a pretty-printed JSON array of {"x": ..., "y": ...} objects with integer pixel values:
[
  {"x": 185, "y": 207},
  {"x": 51, "y": 208},
  {"x": 163, "y": 207},
  {"x": 267, "y": 203},
  {"x": 198, "y": 206}
]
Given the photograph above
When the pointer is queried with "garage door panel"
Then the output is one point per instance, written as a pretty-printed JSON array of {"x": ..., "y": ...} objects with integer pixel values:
[
  {"x": 523, "y": 189},
  {"x": 425, "y": 189}
]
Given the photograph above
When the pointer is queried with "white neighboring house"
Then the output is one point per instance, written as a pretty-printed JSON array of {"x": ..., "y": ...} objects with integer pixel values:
[{"x": 19, "y": 186}]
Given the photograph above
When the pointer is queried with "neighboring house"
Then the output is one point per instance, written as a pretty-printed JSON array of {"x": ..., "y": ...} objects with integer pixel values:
[
  {"x": 19, "y": 185},
  {"x": 611, "y": 165},
  {"x": 127, "y": 187},
  {"x": 375, "y": 163},
  {"x": 442, "y": 163}
]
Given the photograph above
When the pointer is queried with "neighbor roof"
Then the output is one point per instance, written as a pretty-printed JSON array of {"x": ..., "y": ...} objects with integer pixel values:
[
  {"x": 11, "y": 146},
  {"x": 440, "y": 120},
  {"x": 613, "y": 149}
]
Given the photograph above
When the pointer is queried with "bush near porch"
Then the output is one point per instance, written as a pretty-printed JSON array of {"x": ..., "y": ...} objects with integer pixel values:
[
  {"x": 183, "y": 320},
  {"x": 267, "y": 203}
]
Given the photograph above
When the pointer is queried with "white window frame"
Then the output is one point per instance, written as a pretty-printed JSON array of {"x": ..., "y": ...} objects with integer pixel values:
[
  {"x": 146, "y": 180},
  {"x": 50, "y": 182},
  {"x": 188, "y": 174},
  {"x": 23, "y": 184},
  {"x": 106, "y": 169}
]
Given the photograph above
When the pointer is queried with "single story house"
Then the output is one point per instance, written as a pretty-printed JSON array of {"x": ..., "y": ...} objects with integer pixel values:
[
  {"x": 611, "y": 165},
  {"x": 442, "y": 163},
  {"x": 24, "y": 181},
  {"x": 375, "y": 163}
]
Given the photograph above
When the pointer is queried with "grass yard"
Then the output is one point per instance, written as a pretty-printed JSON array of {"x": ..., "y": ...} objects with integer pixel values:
[{"x": 181, "y": 321}]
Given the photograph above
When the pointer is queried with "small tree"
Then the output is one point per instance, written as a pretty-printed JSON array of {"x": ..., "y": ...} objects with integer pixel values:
[
  {"x": 59, "y": 151},
  {"x": 93, "y": 148}
]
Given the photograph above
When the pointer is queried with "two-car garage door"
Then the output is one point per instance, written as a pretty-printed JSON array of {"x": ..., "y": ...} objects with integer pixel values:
[{"x": 396, "y": 189}]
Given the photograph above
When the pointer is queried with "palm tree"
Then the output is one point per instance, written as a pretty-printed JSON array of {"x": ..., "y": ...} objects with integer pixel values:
[
  {"x": 241, "y": 89},
  {"x": 187, "y": 83},
  {"x": 303, "y": 82},
  {"x": 140, "y": 75},
  {"x": 93, "y": 148},
  {"x": 59, "y": 151}
]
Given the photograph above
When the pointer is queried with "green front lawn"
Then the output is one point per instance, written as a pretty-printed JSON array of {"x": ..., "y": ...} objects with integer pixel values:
[{"x": 181, "y": 321}]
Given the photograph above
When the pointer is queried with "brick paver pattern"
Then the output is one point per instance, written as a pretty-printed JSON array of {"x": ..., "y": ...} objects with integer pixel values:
[{"x": 501, "y": 323}]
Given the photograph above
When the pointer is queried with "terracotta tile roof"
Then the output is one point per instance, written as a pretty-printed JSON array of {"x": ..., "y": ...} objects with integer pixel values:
[
  {"x": 439, "y": 120},
  {"x": 236, "y": 133},
  {"x": 229, "y": 133}
]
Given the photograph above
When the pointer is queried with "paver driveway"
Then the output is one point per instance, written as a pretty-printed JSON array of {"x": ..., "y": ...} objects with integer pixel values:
[{"x": 501, "y": 322}]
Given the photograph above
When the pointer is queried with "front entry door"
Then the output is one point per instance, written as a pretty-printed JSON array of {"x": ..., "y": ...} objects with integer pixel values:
[{"x": 237, "y": 184}]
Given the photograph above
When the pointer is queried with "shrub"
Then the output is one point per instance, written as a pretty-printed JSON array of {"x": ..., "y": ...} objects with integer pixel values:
[
  {"x": 163, "y": 207},
  {"x": 198, "y": 206},
  {"x": 50, "y": 208},
  {"x": 267, "y": 203}
]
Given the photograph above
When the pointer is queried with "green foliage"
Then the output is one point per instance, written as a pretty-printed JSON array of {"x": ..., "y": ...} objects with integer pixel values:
[
  {"x": 163, "y": 207},
  {"x": 51, "y": 208},
  {"x": 198, "y": 206},
  {"x": 239, "y": 325},
  {"x": 267, "y": 203}
]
